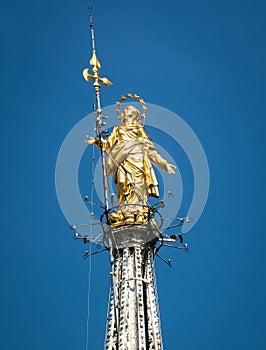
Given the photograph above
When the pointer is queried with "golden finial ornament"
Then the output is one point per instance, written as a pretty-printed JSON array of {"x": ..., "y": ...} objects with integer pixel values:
[{"x": 95, "y": 63}]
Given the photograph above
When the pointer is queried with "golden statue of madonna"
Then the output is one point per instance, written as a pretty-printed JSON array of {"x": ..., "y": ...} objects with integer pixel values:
[{"x": 130, "y": 154}]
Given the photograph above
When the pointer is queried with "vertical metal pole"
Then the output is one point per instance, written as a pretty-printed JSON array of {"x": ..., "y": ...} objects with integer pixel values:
[
  {"x": 99, "y": 119},
  {"x": 99, "y": 132}
]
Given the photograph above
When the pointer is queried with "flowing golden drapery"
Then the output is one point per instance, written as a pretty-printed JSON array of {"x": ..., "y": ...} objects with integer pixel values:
[{"x": 130, "y": 153}]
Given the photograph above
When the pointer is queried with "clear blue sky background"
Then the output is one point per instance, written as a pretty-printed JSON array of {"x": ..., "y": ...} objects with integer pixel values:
[{"x": 204, "y": 60}]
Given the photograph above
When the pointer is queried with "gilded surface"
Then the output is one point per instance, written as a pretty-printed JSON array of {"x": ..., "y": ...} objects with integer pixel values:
[
  {"x": 130, "y": 154},
  {"x": 94, "y": 62}
]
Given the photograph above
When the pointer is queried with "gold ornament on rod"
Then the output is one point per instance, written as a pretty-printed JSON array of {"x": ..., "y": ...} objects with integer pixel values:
[{"x": 95, "y": 63}]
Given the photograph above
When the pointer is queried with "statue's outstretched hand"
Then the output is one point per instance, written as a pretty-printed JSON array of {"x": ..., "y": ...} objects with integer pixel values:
[
  {"x": 170, "y": 168},
  {"x": 91, "y": 140}
]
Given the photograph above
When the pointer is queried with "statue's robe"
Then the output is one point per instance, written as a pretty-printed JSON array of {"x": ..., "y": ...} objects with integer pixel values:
[{"x": 130, "y": 153}]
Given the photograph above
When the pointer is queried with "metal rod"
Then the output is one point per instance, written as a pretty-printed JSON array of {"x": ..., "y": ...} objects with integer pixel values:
[
  {"x": 168, "y": 262},
  {"x": 99, "y": 116},
  {"x": 92, "y": 29}
]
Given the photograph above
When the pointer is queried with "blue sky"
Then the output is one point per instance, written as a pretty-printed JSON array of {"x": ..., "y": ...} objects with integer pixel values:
[{"x": 204, "y": 60}]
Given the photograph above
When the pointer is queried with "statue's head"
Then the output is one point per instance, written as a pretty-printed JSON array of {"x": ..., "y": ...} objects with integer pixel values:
[{"x": 130, "y": 116}]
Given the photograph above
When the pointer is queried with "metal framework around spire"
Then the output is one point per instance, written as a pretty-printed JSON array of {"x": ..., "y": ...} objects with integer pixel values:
[{"x": 133, "y": 318}]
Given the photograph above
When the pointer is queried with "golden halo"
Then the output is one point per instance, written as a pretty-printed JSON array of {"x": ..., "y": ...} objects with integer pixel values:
[{"x": 135, "y": 97}]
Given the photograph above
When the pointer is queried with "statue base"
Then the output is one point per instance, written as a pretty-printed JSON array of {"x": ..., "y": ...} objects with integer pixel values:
[{"x": 130, "y": 235}]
